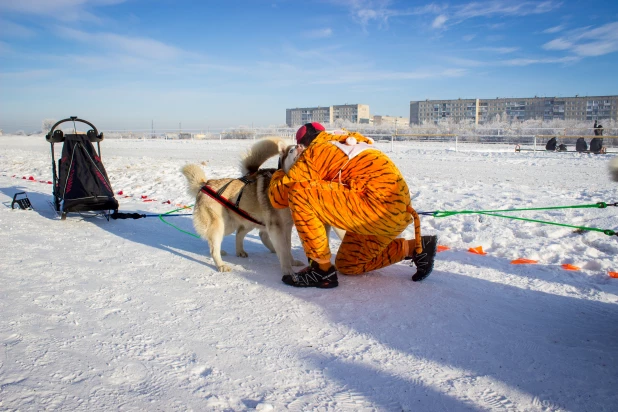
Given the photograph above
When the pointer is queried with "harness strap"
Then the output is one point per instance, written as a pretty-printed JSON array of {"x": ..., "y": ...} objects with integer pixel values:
[
  {"x": 243, "y": 179},
  {"x": 246, "y": 181},
  {"x": 417, "y": 229},
  {"x": 222, "y": 189},
  {"x": 227, "y": 203}
]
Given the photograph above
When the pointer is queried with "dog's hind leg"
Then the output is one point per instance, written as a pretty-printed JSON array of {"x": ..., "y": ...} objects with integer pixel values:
[
  {"x": 215, "y": 237},
  {"x": 240, "y": 240},
  {"x": 266, "y": 240}
]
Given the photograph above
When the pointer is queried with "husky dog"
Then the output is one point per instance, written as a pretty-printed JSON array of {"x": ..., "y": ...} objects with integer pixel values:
[
  {"x": 213, "y": 221},
  {"x": 288, "y": 156}
]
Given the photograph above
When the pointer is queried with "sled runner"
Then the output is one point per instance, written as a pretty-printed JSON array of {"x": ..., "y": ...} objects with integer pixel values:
[{"x": 80, "y": 182}]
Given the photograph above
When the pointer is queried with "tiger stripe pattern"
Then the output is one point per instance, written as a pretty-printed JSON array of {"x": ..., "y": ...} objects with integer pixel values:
[{"x": 365, "y": 195}]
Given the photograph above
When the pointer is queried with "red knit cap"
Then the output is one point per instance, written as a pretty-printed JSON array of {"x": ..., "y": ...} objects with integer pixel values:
[{"x": 308, "y": 132}]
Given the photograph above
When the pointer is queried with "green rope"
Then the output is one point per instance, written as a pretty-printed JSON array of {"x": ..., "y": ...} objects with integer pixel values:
[
  {"x": 599, "y": 205},
  {"x": 438, "y": 213},
  {"x": 594, "y": 229},
  {"x": 174, "y": 226}
]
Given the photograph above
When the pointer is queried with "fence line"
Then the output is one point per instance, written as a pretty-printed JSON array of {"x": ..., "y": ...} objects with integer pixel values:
[{"x": 500, "y": 136}]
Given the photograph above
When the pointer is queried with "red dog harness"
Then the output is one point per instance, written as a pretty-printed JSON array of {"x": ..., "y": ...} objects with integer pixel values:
[{"x": 234, "y": 207}]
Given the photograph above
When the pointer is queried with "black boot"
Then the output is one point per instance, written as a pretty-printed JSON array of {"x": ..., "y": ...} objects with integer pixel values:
[
  {"x": 313, "y": 277},
  {"x": 424, "y": 260}
]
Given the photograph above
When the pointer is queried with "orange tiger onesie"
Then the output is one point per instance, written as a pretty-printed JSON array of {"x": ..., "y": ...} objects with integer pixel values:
[{"x": 363, "y": 193}]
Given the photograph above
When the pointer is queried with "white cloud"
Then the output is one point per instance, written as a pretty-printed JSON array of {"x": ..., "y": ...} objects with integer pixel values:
[
  {"x": 558, "y": 44},
  {"x": 512, "y": 62},
  {"x": 529, "y": 61},
  {"x": 324, "y": 53},
  {"x": 499, "y": 50},
  {"x": 468, "y": 37},
  {"x": 134, "y": 46},
  {"x": 504, "y": 8},
  {"x": 318, "y": 33},
  {"x": 366, "y": 10},
  {"x": 588, "y": 42},
  {"x": 65, "y": 10},
  {"x": 598, "y": 48},
  {"x": 554, "y": 29},
  {"x": 485, "y": 9},
  {"x": 466, "y": 62},
  {"x": 380, "y": 11},
  {"x": 439, "y": 21},
  {"x": 429, "y": 9}
]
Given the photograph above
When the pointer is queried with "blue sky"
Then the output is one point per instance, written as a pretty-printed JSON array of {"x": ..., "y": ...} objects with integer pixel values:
[{"x": 212, "y": 64}]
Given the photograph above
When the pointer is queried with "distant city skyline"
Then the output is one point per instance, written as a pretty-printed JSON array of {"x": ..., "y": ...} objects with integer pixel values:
[{"x": 124, "y": 63}]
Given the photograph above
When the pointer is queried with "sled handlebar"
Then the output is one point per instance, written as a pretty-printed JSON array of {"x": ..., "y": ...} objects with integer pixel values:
[{"x": 57, "y": 136}]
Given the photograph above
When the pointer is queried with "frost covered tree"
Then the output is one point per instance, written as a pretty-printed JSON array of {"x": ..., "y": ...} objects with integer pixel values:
[{"x": 47, "y": 125}]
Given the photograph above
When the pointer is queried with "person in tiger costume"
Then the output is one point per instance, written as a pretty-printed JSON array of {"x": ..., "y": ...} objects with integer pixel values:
[{"x": 342, "y": 181}]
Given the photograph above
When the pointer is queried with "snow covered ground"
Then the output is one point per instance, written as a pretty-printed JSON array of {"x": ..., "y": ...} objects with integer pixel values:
[{"x": 132, "y": 315}]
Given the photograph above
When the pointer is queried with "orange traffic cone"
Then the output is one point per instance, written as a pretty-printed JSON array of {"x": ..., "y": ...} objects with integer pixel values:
[
  {"x": 477, "y": 250},
  {"x": 522, "y": 261}
]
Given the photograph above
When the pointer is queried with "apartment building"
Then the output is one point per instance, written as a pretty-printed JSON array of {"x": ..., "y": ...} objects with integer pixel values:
[
  {"x": 378, "y": 120},
  {"x": 300, "y": 116},
  {"x": 355, "y": 113},
  {"x": 478, "y": 111}
]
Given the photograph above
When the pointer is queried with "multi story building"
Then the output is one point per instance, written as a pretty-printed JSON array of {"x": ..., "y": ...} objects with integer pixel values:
[
  {"x": 390, "y": 120},
  {"x": 299, "y": 116},
  {"x": 586, "y": 108},
  {"x": 355, "y": 113}
]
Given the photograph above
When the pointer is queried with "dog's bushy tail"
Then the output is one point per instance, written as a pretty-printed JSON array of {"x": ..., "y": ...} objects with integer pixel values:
[
  {"x": 195, "y": 177},
  {"x": 260, "y": 152}
]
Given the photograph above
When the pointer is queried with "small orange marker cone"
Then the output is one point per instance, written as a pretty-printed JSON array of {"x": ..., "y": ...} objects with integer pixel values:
[
  {"x": 568, "y": 266},
  {"x": 442, "y": 248},
  {"x": 477, "y": 250},
  {"x": 522, "y": 261},
  {"x": 613, "y": 274}
]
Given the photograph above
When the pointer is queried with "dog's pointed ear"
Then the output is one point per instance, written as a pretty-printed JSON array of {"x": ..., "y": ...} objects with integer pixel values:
[{"x": 282, "y": 145}]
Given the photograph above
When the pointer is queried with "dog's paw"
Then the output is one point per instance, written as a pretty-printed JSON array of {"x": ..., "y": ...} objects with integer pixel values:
[
  {"x": 242, "y": 253},
  {"x": 288, "y": 271},
  {"x": 224, "y": 268},
  {"x": 297, "y": 263}
]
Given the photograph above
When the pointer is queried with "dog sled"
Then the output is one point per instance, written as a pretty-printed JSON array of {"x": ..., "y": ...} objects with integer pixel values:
[{"x": 80, "y": 182}]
